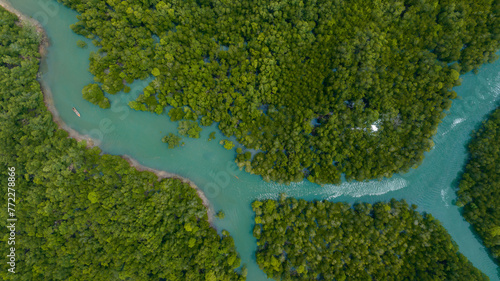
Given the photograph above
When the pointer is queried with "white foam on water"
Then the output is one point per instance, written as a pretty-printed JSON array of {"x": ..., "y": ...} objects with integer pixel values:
[
  {"x": 496, "y": 89},
  {"x": 330, "y": 191},
  {"x": 457, "y": 121},
  {"x": 359, "y": 189},
  {"x": 444, "y": 197}
]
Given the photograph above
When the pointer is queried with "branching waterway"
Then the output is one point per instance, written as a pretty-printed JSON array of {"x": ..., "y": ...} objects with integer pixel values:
[{"x": 122, "y": 131}]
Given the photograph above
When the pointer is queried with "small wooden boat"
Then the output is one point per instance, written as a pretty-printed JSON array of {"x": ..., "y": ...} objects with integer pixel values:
[{"x": 76, "y": 112}]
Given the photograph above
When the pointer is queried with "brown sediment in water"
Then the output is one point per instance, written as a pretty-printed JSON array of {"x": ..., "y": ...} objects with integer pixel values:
[{"x": 49, "y": 103}]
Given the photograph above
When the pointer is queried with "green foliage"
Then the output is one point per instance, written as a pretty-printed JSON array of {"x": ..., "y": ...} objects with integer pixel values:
[
  {"x": 176, "y": 114},
  {"x": 189, "y": 129},
  {"x": 146, "y": 101},
  {"x": 321, "y": 240},
  {"x": 84, "y": 215},
  {"x": 137, "y": 106},
  {"x": 211, "y": 136},
  {"x": 301, "y": 81},
  {"x": 81, "y": 44},
  {"x": 93, "y": 197},
  {"x": 227, "y": 144},
  {"x": 479, "y": 188},
  {"x": 172, "y": 140},
  {"x": 205, "y": 121},
  {"x": 155, "y": 72},
  {"x": 94, "y": 94},
  {"x": 220, "y": 214}
]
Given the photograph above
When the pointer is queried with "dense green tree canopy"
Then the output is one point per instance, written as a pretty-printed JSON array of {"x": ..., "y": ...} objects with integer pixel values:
[
  {"x": 94, "y": 94},
  {"x": 321, "y": 240},
  {"x": 83, "y": 215},
  {"x": 172, "y": 140},
  {"x": 81, "y": 44},
  {"x": 318, "y": 87},
  {"x": 189, "y": 128},
  {"x": 479, "y": 189}
]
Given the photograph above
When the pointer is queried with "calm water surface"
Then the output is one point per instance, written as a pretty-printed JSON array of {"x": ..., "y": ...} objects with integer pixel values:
[{"x": 211, "y": 167}]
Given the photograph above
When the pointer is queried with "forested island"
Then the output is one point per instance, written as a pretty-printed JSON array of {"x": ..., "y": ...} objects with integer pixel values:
[
  {"x": 85, "y": 215},
  {"x": 479, "y": 188},
  {"x": 321, "y": 240},
  {"x": 317, "y": 88}
]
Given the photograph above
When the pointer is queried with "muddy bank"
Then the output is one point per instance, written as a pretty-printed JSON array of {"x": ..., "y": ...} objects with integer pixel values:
[{"x": 49, "y": 103}]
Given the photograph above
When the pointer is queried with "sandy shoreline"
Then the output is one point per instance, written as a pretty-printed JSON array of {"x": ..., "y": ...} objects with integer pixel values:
[{"x": 49, "y": 103}]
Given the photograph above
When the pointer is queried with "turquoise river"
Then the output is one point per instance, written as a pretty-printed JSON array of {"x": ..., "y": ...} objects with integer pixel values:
[{"x": 123, "y": 131}]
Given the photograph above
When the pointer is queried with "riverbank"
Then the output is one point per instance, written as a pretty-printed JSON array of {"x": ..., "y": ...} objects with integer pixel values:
[
  {"x": 22, "y": 18},
  {"x": 49, "y": 103},
  {"x": 47, "y": 94},
  {"x": 166, "y": 175}
]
